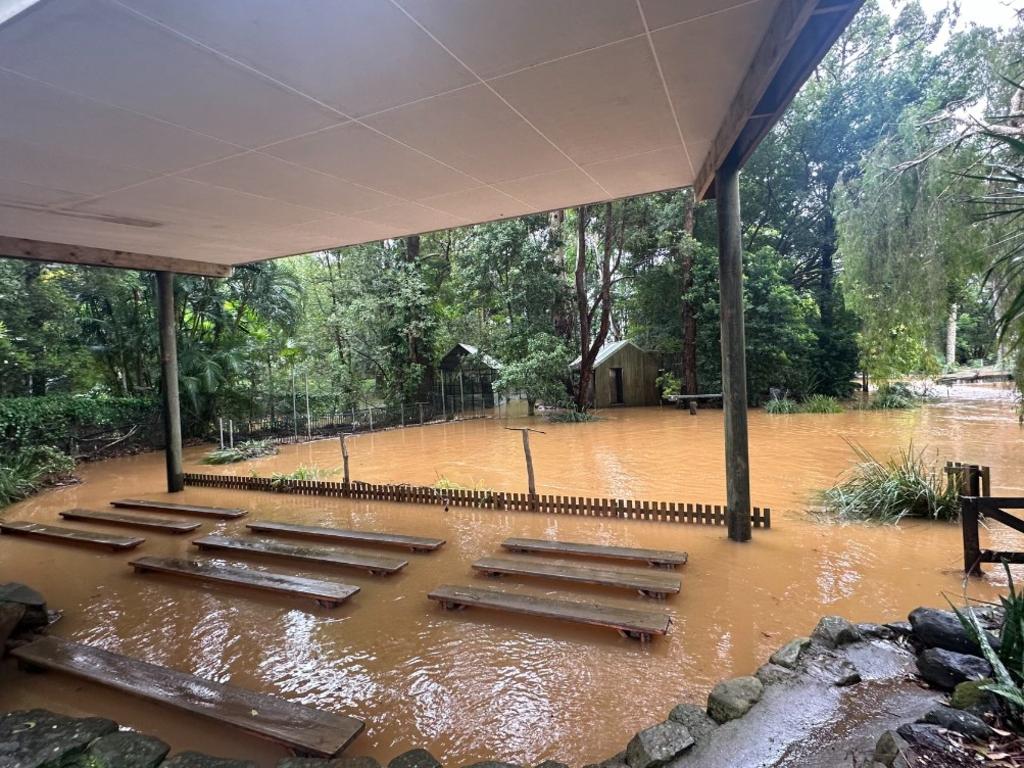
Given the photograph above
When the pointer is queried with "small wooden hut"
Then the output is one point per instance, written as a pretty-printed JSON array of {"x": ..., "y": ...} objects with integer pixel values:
[
  {"x": 624, "y": 374},
  {"x": 467, "y": 374}
]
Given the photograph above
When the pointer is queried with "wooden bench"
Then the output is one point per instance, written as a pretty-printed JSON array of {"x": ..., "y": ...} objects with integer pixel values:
[
  {"x": 375, "y": 564},
  {"x": 692, "y": 400},
  {"x": 182, "y": 509},
  {"x": 647, "y": 583},
  {"x": 304, "y": 730},
  {"x": 659, "y": 558},
  {"x": 415, "y": 543},
  {"x": 635, "y": 624},
  {"x": 162, "y": 524},
  {"x": 327, "y": 594},
  {"x": 70, "y": 535}
]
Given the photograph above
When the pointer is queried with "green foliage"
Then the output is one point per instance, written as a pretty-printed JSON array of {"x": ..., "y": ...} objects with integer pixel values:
[
  {"x": 820, "y": 404},
  {"x": 302, "y": 472},
  {"x": 445, "y": 483},
  {"x": 893, "y": 396},
  {"x": 887, "y": 491},
  {"x": 28, "y": 470},
  {"x": 249, "y": 449},
  {"x": 540, "y": 374},
  {"x": 56, "y": 419},
  {"x": 780, "y": 405},
  {"x": 669, "y": 384}
]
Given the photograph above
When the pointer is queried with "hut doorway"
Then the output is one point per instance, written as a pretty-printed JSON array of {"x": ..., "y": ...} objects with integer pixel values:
[{"x": 617, "y": 388}]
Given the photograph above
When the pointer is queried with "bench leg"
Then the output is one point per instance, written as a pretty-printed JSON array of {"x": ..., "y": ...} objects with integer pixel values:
[
  {"x": 652, "y": 595},
  {"x": 328, "y": 603},
  {"x": 449, "y": 605},
  {"x": 660, "y": 565},
  {"x": 643, "y": 637}
]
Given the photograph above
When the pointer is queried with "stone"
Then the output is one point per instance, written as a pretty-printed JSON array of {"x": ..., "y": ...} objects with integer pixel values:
[
  {"x": 772, "y": 674},
  {"x": 834, "y": 631},
  {"x": 199, "y": 760},
  {"x": 829, "y": 667},
  {"x": 876, "y": 631},
  {"x": 35, "y": 616},
  {"x": 789, "y": 654},
  {"x": 415, "y": 758},
  {"x": 969, "y": 696},
  {"x": 731, "y": 699},
  {"x": 36, "y": 737},
  {"x": 695, "y": 719},
  {"x": 944, "y": 669},
  {"x": 655, "y": 746},
  {"x": 492, "y": 764},
  {"x": 551, "y": 764},
  {"x": 125, "y": 749},
  {"x": 10, "y": 616},
  {"x": 966, "y": 723},
  {"x": 943, "y": 629},
  {"x": 929, "y": 737},
  {"x": 319, "y": 762},
  {"x": 889, "y": 746},
  {"x": 900, "y": 629}
]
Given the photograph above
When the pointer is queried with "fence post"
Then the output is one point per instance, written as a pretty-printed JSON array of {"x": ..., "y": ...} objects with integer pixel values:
[
  {"x": 231, "y": 431},
  {"x": 969, "y": 527},
  {"x": 221, "y": 420},
  {"x": 369, "y": 414},
  {"x": 421, "y": 413},
  {"x": 401, "y": 412},
  {"x": 344, "y": 460}
]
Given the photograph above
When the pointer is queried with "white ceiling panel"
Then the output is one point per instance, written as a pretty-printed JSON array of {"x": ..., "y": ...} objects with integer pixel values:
[{"x": 234, "y": 130}]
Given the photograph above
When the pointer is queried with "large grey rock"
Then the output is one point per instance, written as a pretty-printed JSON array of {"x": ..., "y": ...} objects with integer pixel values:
[
  {"x": 889, "y": 747},
  {"x": 551, "y": 764},
  {"x": 789, "y": 654},
  {"x": 834, "y": 631},
  {"x": 929, "y": 737},
  {"x": 945, "y": 669},
  {"x": 966, "y": 723},
  {"x": 695, "y": 719},
  {"x": 415, "y": 758},
  {"x": 10, "y": 616},
  {"x": 492, "y": 764},
  {"x": 734, "y": 698},
  {"x": 199, "y": 760},
  {"x": 35, "y": 616},
  {"x": 772, "y": 674},
  {"x": 876, "y": 631},
  {"x": 828, "y": 666},
  {"x": 35, "y": 738},
  {"x": 658, "y": 744},
  {"x": 942, "y": 629},
  {"x": 900, "y": 629},
  {"x": 320, "y": 762},
  {"x": 125, "y": 749}
]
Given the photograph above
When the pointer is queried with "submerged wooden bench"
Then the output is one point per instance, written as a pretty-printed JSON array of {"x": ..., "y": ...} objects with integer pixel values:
[
  {"x": 303, "y": 729},
  {"x": 328, "y": 594},
  {"x": 648, "y": 583},
  {"x": 70, "y": 535},
  {"x": 660, "y": 558},
  {"x": 636, "y": 624},
  {"x": 163, "y": 524},
  {"x": 182, "y": 509},
  {"x": 415, "y": 543},
  {"x": 375, "y": 564}
]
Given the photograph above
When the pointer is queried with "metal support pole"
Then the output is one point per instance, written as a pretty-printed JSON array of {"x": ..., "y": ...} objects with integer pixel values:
[
  {"x": 369, "y": 416},
  {"x": 421, "y": 413},
  {"x": 401, "y": 411},
  {"x": 734, "y": 364},
  {"x": 462, "y": 395},
  {"x": 309, "y": 428},
  {"x": 169, "y": 372},
  {"x": 221, "y": 421},
  {"x": 444, "y": 410},
  {"x": 231, "y": 432}
]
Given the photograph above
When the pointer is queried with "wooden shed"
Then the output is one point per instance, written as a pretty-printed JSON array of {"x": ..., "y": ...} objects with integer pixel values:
[
  {"x": 467, "y": 375},
  {"x": 624, "y": 374}
]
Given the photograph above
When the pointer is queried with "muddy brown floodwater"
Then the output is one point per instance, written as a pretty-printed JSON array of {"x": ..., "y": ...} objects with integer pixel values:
[{"x": 477, "y": 684}]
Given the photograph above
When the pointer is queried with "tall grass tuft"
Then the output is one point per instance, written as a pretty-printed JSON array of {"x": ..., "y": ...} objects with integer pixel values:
[
  {"x": 250, "y": 449},
  {"x": 894, "y": 396},
  {"x": 887, "y": 491},
  {"x": 570, "y": 416},
  {"x": 30, "y": 470},
  {"x": 781, "y": 405},
  {"x": 820, "y": 404}
]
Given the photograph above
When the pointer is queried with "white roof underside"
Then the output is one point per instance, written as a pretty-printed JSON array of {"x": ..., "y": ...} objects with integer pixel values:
[{"x": 233, "y": 130}]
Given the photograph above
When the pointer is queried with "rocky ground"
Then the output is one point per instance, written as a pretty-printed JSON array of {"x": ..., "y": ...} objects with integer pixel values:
[{"x": 900, "y": 695}]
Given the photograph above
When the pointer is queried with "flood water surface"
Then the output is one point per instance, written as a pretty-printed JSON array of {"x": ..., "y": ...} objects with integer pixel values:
[{"x": 475, "y": 684}]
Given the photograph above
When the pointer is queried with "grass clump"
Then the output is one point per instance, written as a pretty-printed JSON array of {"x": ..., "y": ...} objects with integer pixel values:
[
  {"x": 250, "y": 449},
  {"x": 887, "y": 491},
  {"x": 893, "y": 396},
  {"x": 302, "y": 472},
  {"x": 445, "y": 483},
  {"x": 30, "y": 470},
  {"x": 820, "y": 404},
  {"x": 569, "y": 416},
  {"x": 781, "y": 405}
]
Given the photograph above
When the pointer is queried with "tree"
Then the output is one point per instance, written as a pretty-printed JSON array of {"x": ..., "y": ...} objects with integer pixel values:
[{"x": 540, "y": 374}]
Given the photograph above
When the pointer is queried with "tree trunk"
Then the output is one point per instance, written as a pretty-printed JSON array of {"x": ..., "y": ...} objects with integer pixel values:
[
  {"x": 951, "y": 336},
  {"x": 589, "y": 348},
  {"x": 417, "y": 354},
  {"x": 689, "y": 316}
]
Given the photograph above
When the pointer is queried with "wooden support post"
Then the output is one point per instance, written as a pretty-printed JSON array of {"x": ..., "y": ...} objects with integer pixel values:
[
  {"x": 734, "y": 364},
  {"x": 169, "y": 372},
  {"x": 401, "y": 412},
  {"x": 421, "y": 413},
  {"x": 344, "y": 458},
  {"x": 531, "y": 480},
  {"x": 462, "y": 394},
  {"x": 222, "y": 434},
  {"x": 969, "y": 528},
  {"x": 231, "y": 432},
  {"x": 693, "y": 407}
]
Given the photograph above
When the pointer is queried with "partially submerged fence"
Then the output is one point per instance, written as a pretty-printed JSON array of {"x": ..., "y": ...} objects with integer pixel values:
[
  {"x": 623, "y": 509},
  {"x": 978, "y": 505}
]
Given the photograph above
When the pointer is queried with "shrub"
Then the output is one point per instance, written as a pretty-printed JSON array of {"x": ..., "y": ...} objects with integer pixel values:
[
  {"x": 303, "y": 472},
  {"x": 31, "y": 469},
  {"x": 902, "y": 486},
  {"x": 893, "y": 396},
  {"x": 780, "y": 405},
  {"x": 250, "y": 449},
  {"x": 58, "y": 419},
  {"x": 669, "y": 384},
  {"x": 821, "y": 404},
  {"x": 569, "y": 416}
]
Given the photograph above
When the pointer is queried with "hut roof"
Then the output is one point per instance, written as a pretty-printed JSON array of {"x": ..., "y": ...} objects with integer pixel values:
[
  {"x": 462, "y": 349},
  {"x": 606, "y": 352}
]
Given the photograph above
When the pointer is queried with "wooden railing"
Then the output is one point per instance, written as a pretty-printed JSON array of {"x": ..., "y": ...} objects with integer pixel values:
[
  {"x": 977, "y": 505},
  {"x": 624, "y": 509}
]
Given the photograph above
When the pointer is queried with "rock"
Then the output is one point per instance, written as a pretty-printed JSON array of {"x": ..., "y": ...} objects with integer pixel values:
[
  {"x": 734, "y": 698},
  {"x": 198, "y": 760},
  {"x": 658, "y": 744},
  {"x": 944, "y": 669},
  {"x": 695, "y": 719},
  {"x": 10, "y": 616},
  {"x": 415, "y": 758},
  {"x": 789, "y": 654},
  {"x": 876, "y": 631},
  {"x": 829, "y": 667},
  {"x": 834, "y": 631},
  {"x": 551, "y": 764},
  {"x": 492, "y": 764},
  {"x": 890, "y": 745},
  {"x": 970, "y": 697},
  {"x": 319, "y": 762},
  {"x": 36, "y": 737},
  {"x": 126, "y": 749},
  {"x": 899, "y": 629},
  {"x": 772, "y": 674},
  {"x": 925, "y": 736},
  {"x": 951, "y": 719},
  {"x": 942, "y": 629},
  {"x": 36, "y": 616}
]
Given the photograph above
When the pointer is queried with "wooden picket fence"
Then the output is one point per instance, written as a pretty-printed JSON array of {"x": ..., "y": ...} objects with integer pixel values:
[{"x": 623, "y": 509}]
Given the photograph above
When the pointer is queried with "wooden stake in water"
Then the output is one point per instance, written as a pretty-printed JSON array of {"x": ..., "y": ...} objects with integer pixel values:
[
  {"x": 344, "y": 457},
  {"x": 530, "y": 479}
]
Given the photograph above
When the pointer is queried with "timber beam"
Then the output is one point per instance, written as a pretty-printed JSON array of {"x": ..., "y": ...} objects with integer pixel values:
[{"x": 41, "y": 250}]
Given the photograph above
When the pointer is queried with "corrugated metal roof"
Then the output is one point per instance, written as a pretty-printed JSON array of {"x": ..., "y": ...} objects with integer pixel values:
[{"x": 605, "y": 352}]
